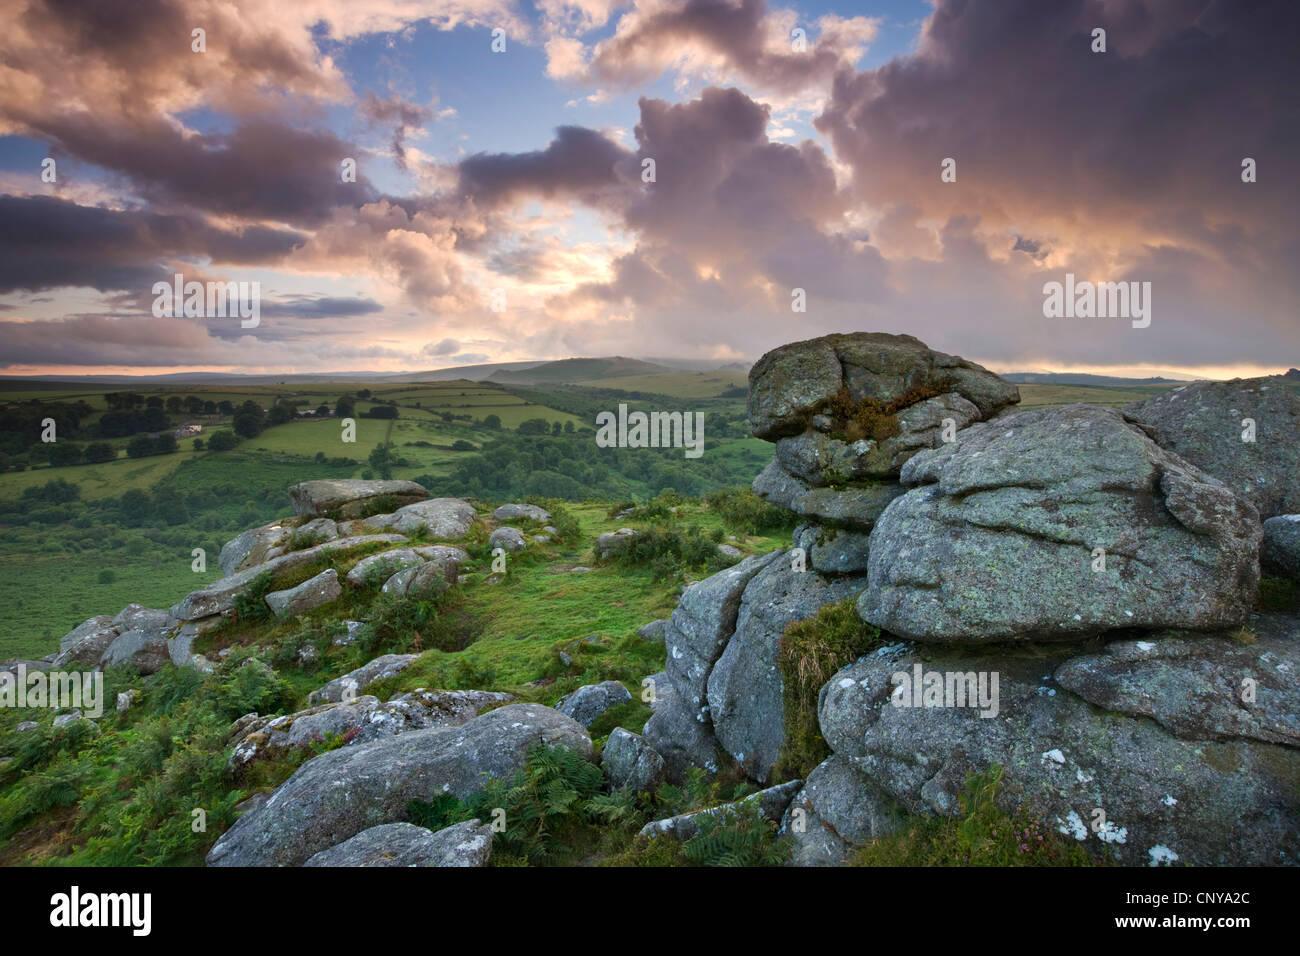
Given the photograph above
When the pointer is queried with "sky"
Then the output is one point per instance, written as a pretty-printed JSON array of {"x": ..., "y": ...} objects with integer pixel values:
[{"x": 656, "y": 178}]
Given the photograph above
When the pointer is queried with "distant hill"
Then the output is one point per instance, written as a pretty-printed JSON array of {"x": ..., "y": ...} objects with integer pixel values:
[
  {"x": 1082, "y": 378},
  {"x": 1293, "y": 374},
  {"x": 576, "y": 370}
]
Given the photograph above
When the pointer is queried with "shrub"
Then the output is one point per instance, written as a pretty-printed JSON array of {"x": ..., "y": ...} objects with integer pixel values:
[
  {"x": 250, "y": 605},
  {"x": 745, "y": 512},
  {"x": 670, "y": 552},
  {"x": 810, "y": 653}
]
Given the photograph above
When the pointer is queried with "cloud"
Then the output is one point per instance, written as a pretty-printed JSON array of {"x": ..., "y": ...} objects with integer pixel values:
[
  {"x": 51, "y": 243},
  {"x": 578, "y": 162},
  {"x": 320, "y": 307},
  {"x": 445, "y": 347},
  {"x": 398, "y": 113},
  {"x": 716, "y": 40}
]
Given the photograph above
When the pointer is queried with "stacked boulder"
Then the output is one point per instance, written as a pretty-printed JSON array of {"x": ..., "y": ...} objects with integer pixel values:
[
  {"x": 846, "y": 412},
  {"x": 1064, "y": 592},
  {"x": 1069, "y": 596}
]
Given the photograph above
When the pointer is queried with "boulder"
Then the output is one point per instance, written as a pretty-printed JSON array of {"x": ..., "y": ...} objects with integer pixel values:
[
  {"x": 358, "y": 680},
  {"x": 351, "y": 497},
  {"x": 857, "y": 507},
  {"x": 442, "y": 518},
  {"x": 1193, "y": 686},
  {"x": 587, "y": 703},
  {"x": 772, "y": 804},
  {"x": 180, "y": 642},
  {"x": 85, "y": 644},
  {"x": 431, "y": 575},
  {"x": 837, "y": 811},
  {"x": 317, "y": 530},
  {"x": 219, "y": 596},
  {"x": 380, "y": 567},
  {"x": 833, "y": 551},
  {"x": 337, "y": 794},
  {"x": 653, "y": 631},
  {"x": 1204, "y": 422},
  {"x": 997, "y": 539},
  {"x": 1162, "y": 797},
  {"x": 255, "y": 546},
  {"x": 701, "y": 625},
  {"x": 677, "y": 733},
  {"x": 311, "y": 594},
  {"x": 1280, "y": 553},
  {"x": 141, "y": 643},
  {"x": 790, "y": 384},
  {"x": 745, "y": 700},
  {"x": 778, "y": 487},
  {"x": 83, "y": 630},
  {"x": 404, "y": 844},
  {"x": 509, "y": 539},
  {"x": 614, "y": 542},
  {"x": 358, "y": 721},
  {"x": 516, "y": 511},
  {"x": 629, "y": 761},
  {"x": 817, "y": 459}
]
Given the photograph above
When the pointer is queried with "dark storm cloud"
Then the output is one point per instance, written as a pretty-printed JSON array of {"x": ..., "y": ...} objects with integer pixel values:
[
  {"x": 578, "y": 163},
  {"x": 264, "y": 169},
  {"x": 48, "y": 243},
  {"x": 1038, "y": 123}
]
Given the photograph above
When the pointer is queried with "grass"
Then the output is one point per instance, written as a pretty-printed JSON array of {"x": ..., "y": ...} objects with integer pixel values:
[
  {"x": 982, "y": 834},
  {"x": 108, "y": 479},
  {"x": 811, "y": 652}
]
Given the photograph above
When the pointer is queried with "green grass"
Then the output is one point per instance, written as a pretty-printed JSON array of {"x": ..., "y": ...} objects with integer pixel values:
[
  {"x": 108, "y": 479},
  {"x": 43, "y": 596}
]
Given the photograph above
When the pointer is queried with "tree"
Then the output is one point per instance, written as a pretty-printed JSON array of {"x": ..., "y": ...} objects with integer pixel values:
[
  {"x": 363, "y": 393},
  {"x": 134, "y": 506},
  {"x": 322, "y": 410},
  {"x": 99, "y": 451},
  {"x": 153, "y": 420},
  {"x": 154, "y": 401},
  {"x": 225, "y": 408},
  {"x": 381, "y": 460},
  {"x": 280, "y": 413},
  {"x": 174, "y": 405},
  {"x": 62, "y": 453},
  {"x": 568, "y": 428},
  {"x": 557, "y": 429},
  {"x": 493, "y": 422},
  {"x": 345, "y": 407},
  {"x": 170, "y": 506},
  {"x": 209, "y": 408},
  {"x": 534, "y": 426},
  {"x": 198, "y": 444},
  {"x": 193, "y": 404},
  {"x": 139, "y": 447},
  {"x": 249, "y": 419},
  {"x": 222, "y": 441}
]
